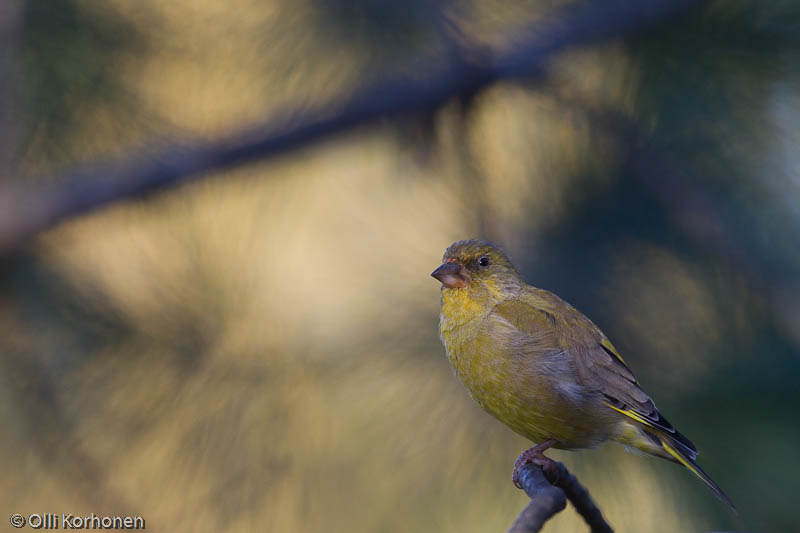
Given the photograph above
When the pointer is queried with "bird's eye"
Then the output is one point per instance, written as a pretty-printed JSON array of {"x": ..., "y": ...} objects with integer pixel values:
[{"x": 483, "y": 261}]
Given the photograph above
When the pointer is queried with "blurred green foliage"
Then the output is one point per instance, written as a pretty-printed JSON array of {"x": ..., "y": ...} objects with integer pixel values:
[{"x": 259, "y": 351}]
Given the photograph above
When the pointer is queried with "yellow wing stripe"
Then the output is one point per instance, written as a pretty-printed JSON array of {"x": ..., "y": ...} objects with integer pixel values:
[
  {"x": 699, "y": 473},
  {"x": 635, "y": 416},
  {"x": 674, "y": 453},
  {"x": 679, "y": 457},
  {"x": 610, "y": 347}
]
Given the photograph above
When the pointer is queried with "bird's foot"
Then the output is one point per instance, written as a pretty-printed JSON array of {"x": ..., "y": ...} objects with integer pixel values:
[{"x": 536, "y": 456}]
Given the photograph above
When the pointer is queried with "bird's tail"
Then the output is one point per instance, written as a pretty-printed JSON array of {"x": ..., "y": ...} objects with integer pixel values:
[{"x": 678, "y": 452}]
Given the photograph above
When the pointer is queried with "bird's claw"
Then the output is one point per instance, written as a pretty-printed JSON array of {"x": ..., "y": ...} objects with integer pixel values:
[{"x": 536, "y": 456}]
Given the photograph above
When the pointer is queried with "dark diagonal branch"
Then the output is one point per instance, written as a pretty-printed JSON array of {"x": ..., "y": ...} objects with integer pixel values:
[
  {"x": 549, "y": 494},
  {"x": 25, "y": 211}
]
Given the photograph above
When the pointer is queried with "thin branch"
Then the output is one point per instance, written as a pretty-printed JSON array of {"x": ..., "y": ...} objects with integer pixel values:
[
  {"x": 548, "y": 492},
  {"x": 25, "y": 211},
  {"x": 579, "y": 497},
  {"x": 546, "y": 500}
]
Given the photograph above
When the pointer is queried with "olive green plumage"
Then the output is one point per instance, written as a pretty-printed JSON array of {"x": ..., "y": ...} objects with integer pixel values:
[{"x": 540, "y": 366}]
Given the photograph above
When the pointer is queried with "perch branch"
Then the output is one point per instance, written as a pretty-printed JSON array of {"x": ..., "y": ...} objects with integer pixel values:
[
  {"x": 546, "y": 500},
  {"x": 549, "y": 494}
]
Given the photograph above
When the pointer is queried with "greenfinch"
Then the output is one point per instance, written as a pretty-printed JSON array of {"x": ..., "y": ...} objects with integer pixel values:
[{"x": 541, "y": 367}]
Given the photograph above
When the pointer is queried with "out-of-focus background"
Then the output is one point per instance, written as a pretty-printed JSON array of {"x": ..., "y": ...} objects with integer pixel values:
[{"x": 257, "y": 350}]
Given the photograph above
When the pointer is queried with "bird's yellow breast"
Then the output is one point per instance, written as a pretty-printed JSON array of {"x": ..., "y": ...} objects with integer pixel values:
[{"x": 522, "y": 390}]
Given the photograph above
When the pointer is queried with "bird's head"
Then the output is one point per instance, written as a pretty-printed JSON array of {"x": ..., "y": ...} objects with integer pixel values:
[{"x": 480, "y": 268}]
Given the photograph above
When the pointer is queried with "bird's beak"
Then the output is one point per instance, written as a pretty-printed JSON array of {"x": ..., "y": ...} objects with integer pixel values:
[{"x": 452, "y": 275}]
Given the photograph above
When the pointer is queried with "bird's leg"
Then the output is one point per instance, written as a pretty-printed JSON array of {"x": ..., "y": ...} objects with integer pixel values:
[{"x": 536, "y": 456}]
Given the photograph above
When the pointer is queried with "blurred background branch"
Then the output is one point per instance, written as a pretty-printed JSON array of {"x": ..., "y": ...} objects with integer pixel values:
[{"x": 26, "y": 210}]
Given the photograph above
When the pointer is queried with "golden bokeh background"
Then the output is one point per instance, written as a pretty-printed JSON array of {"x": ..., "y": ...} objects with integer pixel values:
[{"x": 258, "y": 351}]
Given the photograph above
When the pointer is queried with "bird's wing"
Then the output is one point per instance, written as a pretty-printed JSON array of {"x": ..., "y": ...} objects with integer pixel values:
[{"x": 599, "y": 365}]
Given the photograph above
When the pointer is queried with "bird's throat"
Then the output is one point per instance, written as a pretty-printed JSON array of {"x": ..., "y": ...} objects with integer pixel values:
[{"x": 460, "y": 307}]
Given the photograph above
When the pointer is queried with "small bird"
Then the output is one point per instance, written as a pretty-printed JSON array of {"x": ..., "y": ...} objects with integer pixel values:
[{"x": 541, "y": 367}]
